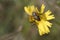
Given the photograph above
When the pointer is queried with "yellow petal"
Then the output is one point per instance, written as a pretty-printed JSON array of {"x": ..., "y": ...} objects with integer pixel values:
[
  {"x": 41, "y": 32},
  {"x": 41, "y": 29},
  {"x": 32, "y": 8},
  {"x": 36, "y": 10},
  {"x": 29, "y": 9},
  {"x": 48, "y": 24},
  {"x": 42, "y": 8},
  {"x": 45, "y": 27},
  {"x": 48, "y": 15},
  {"x": 48, "y": 12}
]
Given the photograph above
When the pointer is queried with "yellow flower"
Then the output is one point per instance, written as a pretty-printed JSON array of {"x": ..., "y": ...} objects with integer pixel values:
[{"x": 43, "y": 23}]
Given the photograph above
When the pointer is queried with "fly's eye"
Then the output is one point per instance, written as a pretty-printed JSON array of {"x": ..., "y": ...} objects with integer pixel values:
[{"x": 34, "y": 13}]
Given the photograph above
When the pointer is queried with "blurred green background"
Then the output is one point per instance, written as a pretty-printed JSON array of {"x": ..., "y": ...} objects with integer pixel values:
[{"x": 14, "y": 23}]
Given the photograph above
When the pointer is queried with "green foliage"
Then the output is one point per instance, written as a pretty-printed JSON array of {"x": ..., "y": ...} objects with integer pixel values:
[
  {"x": 12, "y": 15},
  {"x": 58, "y": 2}
]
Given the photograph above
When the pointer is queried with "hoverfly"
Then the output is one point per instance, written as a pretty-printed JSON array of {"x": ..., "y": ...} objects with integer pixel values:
[{"x": 36, "y": 16}]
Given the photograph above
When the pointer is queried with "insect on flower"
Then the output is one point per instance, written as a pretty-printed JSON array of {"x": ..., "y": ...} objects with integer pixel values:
[
  {"x": 40, "y": 18},
  {"x": 36, "y": 16}
]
